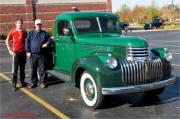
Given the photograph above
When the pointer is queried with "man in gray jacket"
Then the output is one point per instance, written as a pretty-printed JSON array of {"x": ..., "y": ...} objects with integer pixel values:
[{"x": 36, "y": 41}]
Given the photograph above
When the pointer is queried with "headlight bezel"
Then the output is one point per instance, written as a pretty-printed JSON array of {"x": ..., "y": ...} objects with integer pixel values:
[
  {"x": 167, "y": 55},
  {"x": 112, "y": 63}
]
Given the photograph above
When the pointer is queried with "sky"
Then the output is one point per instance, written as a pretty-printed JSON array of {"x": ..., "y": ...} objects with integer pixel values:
[{"x": 116, "y": 4}]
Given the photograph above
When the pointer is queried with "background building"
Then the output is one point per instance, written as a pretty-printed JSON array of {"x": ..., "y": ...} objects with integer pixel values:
[{"x": 47, "y": 10}]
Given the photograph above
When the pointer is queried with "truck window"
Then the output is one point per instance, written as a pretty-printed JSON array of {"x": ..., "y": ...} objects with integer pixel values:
[
  {"x": 61, "y": 26},
  {"x": 108, "y": 24},
  {"x": 90, "y": 25},
  {"x": 87, "y": 25}
]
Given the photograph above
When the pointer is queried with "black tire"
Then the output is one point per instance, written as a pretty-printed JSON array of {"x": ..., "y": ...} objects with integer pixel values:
[
  {"x": 90, "y": 93},
  {"x": 145, "y": 28},
  {"x": 155, "y": 92}
]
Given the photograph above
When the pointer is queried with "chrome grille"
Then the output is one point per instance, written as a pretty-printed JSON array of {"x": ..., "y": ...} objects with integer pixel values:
[
  {"x": 136, "y": 73},
  {"x": 137, "y": 53}
]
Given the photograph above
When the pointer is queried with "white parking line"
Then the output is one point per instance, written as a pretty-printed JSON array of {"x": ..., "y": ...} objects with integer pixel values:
[
  {"x": 2, "y": 44},
  {"x": 164, "y": 41},
  {"x": 178, "y": 65},
  {"x": 174, "y": 50},
  {"x": 176, "y": 53},
  {"x": 165, "y": 45}
]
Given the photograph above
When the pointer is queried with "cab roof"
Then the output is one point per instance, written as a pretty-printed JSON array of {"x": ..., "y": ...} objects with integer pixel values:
[{"x": 76, "y": 15}]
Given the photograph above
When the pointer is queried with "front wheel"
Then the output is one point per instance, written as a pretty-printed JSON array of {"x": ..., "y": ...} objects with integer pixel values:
[{"x": 91, "y": 94}]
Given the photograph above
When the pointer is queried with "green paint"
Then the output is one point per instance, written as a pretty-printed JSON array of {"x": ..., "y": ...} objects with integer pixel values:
[
  {"x": 160, "y": 52},
  {"x": 90, "y": 51}
]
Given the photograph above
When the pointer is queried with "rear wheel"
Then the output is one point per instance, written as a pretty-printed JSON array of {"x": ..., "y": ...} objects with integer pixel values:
[
  {"x": 91, "y": 94},
  {"x": 145, "y": 27}
]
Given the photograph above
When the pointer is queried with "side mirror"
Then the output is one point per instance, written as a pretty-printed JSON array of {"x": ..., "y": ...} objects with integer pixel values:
[{"x": 66, "y": 32}]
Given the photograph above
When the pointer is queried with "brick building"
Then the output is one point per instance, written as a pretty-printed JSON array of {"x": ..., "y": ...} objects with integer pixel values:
[{"x": 47, "y": 10}]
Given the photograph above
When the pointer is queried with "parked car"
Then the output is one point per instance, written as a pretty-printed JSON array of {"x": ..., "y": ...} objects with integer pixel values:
[
  {"x": 124, "y": 25},
  {"x": 155, "y": 23},
  {"x": 91, "y": 53}
]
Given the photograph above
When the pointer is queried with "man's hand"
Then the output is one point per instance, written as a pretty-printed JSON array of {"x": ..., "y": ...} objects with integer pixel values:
[
  {"x": 28, "y": 55},
  {"x": 12, "y": 53},
  {"x": 44, "y": 45}
]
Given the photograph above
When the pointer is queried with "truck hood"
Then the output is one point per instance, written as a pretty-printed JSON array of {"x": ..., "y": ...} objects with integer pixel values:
[{"x": 112, "y": 40}]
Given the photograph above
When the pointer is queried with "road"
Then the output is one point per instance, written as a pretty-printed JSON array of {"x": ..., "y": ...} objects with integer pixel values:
[{"x": 59, "y": 100}]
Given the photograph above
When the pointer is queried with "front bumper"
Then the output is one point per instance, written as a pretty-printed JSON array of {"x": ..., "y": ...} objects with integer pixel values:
[{"x": 138, "y": 88}]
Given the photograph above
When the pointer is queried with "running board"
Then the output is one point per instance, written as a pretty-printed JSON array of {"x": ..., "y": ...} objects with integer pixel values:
[{"x": 59, "y": 75}]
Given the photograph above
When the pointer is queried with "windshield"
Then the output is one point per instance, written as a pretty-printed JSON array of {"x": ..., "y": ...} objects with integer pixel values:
[
  {"x": 155, "y": 20},
  {"x": 96, "y": 24}
]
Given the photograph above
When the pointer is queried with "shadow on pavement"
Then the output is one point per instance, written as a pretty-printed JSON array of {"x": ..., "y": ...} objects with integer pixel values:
[
  {"x": 136, "y": 28},
  {"x": 50, "y": 81},
  {"x": 170, "y": 94}
]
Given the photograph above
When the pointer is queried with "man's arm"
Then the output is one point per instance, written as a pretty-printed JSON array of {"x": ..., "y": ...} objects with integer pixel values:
[
  {"x": 9, "y": 38},
  {"x": 48, "y": 43},
  {"x": 27, "y": 45}
]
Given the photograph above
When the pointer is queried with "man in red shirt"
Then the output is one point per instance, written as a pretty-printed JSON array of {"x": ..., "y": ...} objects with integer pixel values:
[{"x": 17, "y": 37}]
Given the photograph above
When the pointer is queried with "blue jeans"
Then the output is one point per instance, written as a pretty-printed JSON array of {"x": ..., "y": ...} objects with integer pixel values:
[{"x": 37, "y": 61}]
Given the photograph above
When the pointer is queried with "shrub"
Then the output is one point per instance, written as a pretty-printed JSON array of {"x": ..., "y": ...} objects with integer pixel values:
[
  {"x": 52, "y": 32},
  {"x": 3, "y": 36}
]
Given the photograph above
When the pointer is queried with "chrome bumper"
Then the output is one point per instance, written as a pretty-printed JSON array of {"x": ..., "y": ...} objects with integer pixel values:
[{"x": 138, "y": 88}]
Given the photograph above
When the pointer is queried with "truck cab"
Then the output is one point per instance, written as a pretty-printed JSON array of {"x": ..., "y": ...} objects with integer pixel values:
[{"x": 91, "y": 53}]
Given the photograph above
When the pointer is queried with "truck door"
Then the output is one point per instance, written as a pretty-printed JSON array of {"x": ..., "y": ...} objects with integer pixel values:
[{"x": 64, "y": 48}]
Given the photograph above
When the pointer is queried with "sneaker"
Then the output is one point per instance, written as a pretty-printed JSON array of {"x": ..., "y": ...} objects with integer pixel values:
[
  {"x": 13, "y": 85},
  {"x": 21, "y": 84},
  {"x": 42, "y": 85},
  {"x": 32, "y": 85}
]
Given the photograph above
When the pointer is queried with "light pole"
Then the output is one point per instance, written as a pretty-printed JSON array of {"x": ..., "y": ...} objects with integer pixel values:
[{"x": 172, "y": 10}]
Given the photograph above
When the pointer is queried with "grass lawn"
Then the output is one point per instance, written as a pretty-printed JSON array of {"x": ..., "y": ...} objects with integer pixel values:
[{"x": 170, "y": 27}]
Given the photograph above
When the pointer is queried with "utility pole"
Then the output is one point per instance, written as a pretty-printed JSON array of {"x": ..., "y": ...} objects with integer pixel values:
[{"x": 172, "y": 10}]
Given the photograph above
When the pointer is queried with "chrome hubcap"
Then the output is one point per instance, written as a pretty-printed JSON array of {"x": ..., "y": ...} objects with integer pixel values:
[{"x": 89, "y": 89}]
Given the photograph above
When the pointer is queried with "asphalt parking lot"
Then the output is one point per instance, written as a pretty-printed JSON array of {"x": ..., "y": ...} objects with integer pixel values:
[{"x": 59, "y": 100}]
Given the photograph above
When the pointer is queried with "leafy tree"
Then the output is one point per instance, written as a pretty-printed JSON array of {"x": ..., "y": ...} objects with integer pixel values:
[
  {"x": 123, "y": 13},
  {"x": 124, "y": 9},
  {"x": 152, "y": 13},
  {"x": 170, "y": 12},
  {"x": 138, "y": 14},
  {"x": 141, "y": 14}
]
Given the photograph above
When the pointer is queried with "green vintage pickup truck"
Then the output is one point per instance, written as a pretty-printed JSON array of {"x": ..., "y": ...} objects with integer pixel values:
[{"x": 91, "y": 53}]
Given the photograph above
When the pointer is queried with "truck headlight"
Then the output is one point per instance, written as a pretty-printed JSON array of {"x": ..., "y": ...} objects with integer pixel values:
[
  {"x": 167, "y": 55},
  {"x": 112, "y": 63}
]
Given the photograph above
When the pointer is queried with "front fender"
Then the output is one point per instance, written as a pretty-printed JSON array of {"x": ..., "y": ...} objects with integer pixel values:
[
  {"x": 159, "y": 52},
  {"x": 166, "y": 64},
  {"x": 96, "y": 65}
]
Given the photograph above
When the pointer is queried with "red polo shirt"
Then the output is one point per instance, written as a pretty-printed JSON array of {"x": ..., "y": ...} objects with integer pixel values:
[{"x": 18, "y": 39}]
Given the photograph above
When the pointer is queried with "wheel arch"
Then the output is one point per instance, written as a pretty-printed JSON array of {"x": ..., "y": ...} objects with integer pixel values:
[
  {"x": 89, "y": 64},
  {"x": 78, "y": 74}
]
